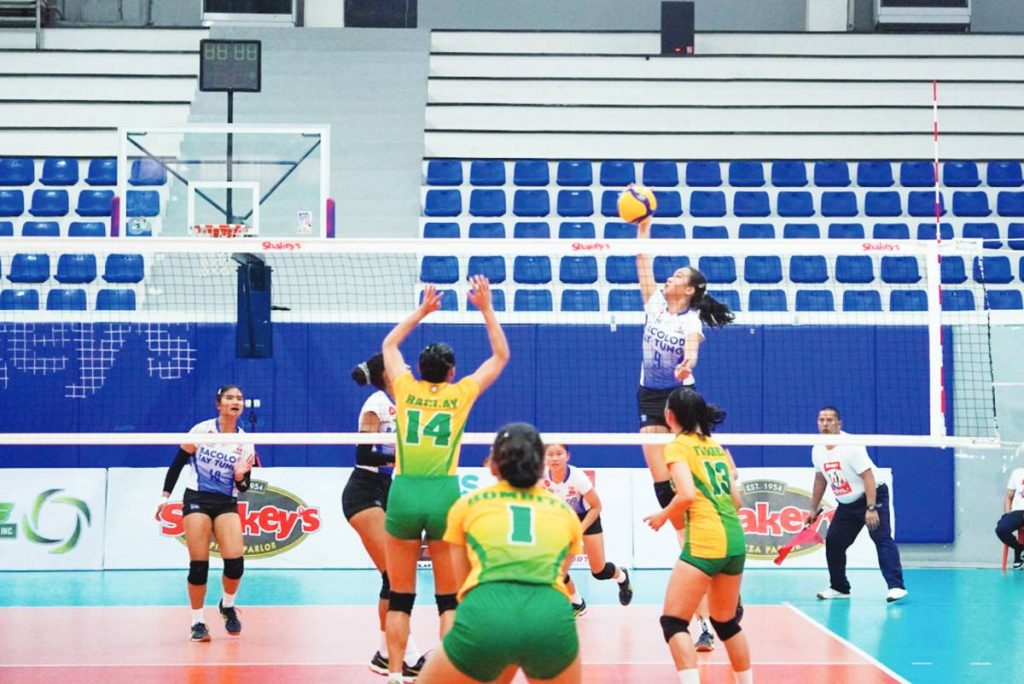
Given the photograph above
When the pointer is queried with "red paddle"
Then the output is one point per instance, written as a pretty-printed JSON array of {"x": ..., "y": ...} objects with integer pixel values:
[{"x": 808, "y": 535}]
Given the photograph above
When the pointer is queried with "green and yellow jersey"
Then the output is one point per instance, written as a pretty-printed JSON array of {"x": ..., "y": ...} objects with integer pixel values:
[
  {"x": 431, "y": 419},
  {"x": 514, "y": 535},
  {"x": 713, "y": 528}
]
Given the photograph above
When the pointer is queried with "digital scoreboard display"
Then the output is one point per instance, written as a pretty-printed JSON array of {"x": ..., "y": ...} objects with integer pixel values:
[{"x": 229, "y": 65}]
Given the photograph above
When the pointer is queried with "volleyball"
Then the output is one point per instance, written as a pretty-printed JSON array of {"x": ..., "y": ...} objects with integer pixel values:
[{"x": 636, "y": 203}]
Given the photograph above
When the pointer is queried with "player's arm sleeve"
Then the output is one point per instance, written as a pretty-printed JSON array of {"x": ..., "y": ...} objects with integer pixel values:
[
  {"x": 453, "y": 533},
  {"x": 584, "y": 485},
  {"x": 675, "y": 452},
  {"x": 181, "y": 459},
  {"x": 692, "y": 326},
  {"x": 401, "y": 383},
  {"x": 469, "y": 388}
]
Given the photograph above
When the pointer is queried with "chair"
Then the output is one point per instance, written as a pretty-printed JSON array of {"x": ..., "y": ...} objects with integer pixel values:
[
  {"x": 1015, "y": 236},
  {"x": 767, "y": 300},
  {"x": 29, "y": 268},
  {"x": 665, "y": 266},
  {"x": 625, "y": 300},
  {"x": 718, "y": 269},
  {"x": 762, "y": 269},
  {"x": 989, "y": 232},
  {"x": 102, "y": 172},
  {"x": 19, "y": 300},
  {"x": 578, "y": 270},
  {"x": 789, "y": 174},
  {"x": 746, "y": 174},
  {"x": 617, "y": 230},
  {"x": 87, "y": 229},
  {"x": 575, "y": 203},
  {"x": 808, "y": 269},
  {"x": 610, "y": 203},
  {"x": 617, "y": 173},
  {"x": 672, "y": 231},
  {"x": 974, "y": 203},
  {"x": 670, "y": 204},
  {"x": 486, "y": 202},
  {"x": 123, "y": 268},
  {"x": 661, "y": 174},
  {"x": 75, "y": 269},
  {"x": 874, "y": 174},
  {"x": 116, "y": 300},
  {"x": 440, "y": 203},
  {"x": 580, "y": 300},
  {"x": 143, "y": 203},
  {"x": 862, "y": 300},
  {"x": 1004, "y": 174},
  {"x": 1003, "y": 300},
  {"x": 49, "y": 203},
  {"x": 908, "y": 300},
  {"x": 12, "y": 203},
  {"x": 757, "y": 231},
  {"x": 575, "y": 173},
  {"x": 917, "y": 174},
  {"x": 531, "y": 203},
  {"x": 17, "y": 171},
  {"x": 531, "y": 230},
  {"x": 443, "y": 172},
  {"x": 485, "y": 172},
  {"x": 433, "y": 269},
  {"x": 147, "y": 172},
  {"x": 902, "y": 270},
  {"x": 6, "y": 229},
  {"x": 705, "y": 203},
  {"x": 710, "y": 233},
  {"x": 497, "y": 301},
  {"x": 65, "y": 300},
  {"x": 814, "y": 300},
  {"x": 960, "y": 174},
  {"x": 1010, "y": 203},
  {"x": 576, "y": 231},
  {"x": 882, "y": 203},
  {"x": 831, "y": 174},
  {"x": 532, "y": 300},
  {"x": 59, "y": 171},
  {"x": 703, "y": 174},
  {"x": 95, "y": 202},
  {"x": 621, "y": 270},
  {"x": 731, "y": 298},
  {"x": 493, "y": 267},
  {"x": 890, "y": 231},
  {"x": 846, "y": 231},
  {"x": 952, "y": 271},
  {"x": 797, "y": 203},
  {"x": 839, "y": 204},
  {"x": 922, "y": 203},
  {"x": 854, "y": 269},
  {"x": 751, "y": 203},
  {"x": 490, "y": 230},
  {"x": 531, "y": 172},
  {"x": 441, "y": 230},
  {"x": 40, "y": 229},
  {"x": 957, "y": 300},
  {"x": 801, "y": 231},
  {"x": 926, "y": 231},
  {"x": 533, "y": 270},
  {"x": 992, "y": 269}
]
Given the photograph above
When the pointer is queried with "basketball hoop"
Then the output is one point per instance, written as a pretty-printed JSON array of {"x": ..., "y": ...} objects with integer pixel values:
[{"x": 217, "y": 264}]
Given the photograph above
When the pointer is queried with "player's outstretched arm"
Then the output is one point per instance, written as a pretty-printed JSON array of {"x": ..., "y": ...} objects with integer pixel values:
[
  {"x": 491, "y": 368},
  {"x": 394, "y": 364},
  {"x": 644, "y": 265}
]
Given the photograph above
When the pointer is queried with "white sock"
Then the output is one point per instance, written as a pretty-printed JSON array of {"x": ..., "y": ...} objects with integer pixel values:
[
  {"x": 383, "y": 646},
  {"x": 197, "y": 615},
  {"x": 620, "y": 576},
  {"x": 228, "y": 600},
  {"x": 745, "y": 677},
  {"x": 576, "y": 598},
  {"x": 412, "y": 653},
  {"x": 691, "y": 676}
]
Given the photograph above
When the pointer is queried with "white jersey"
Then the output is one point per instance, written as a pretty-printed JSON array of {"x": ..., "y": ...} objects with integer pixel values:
[
  {"x": 1016, "y": 484},
  {"x": 380, "y": 404},
  {"x": 571, "y": 490},
  {"x": 213, "y": 465},
  {"x": 664, "y": 343},
  {"x": 842, "y": 465}
]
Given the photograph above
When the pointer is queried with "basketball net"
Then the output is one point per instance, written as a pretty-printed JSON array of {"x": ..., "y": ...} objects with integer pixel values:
[{"x": 217, "y": 263}]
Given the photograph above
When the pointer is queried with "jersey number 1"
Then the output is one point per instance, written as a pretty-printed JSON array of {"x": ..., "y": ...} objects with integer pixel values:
[
  {"x": 520, "y": 525},
  {"x": 438, "y": 428}
]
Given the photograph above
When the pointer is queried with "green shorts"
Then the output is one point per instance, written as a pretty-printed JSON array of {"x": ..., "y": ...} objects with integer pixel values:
[
  {"x": 730, "y": 565},
  {"x": 420, "y": 504},
  {"x": 499, "y": 624}
]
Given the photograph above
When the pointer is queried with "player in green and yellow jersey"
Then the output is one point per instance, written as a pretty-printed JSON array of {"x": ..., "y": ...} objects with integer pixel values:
[
  {"x": 514, "y": 541},
  {"x": 431, "y": 416},
  {"x": 706, "y": 502}
]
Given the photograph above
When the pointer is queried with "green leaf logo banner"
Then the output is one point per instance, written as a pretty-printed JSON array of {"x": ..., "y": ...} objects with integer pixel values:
[{"x": 31, "y": 522}]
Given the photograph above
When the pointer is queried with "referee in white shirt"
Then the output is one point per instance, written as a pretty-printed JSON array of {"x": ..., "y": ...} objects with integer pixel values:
[{"x": 861, "y": 501}]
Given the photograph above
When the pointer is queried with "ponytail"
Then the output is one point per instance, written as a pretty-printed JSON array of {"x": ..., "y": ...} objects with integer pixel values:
[
  {"x": 712, "y": 312},
  {"x": 370, "y": 371}
]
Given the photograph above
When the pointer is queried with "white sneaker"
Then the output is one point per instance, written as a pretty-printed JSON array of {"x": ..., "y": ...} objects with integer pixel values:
[
  {"x": 831, "y": 593},
  {"x": 895, "y": 594}
]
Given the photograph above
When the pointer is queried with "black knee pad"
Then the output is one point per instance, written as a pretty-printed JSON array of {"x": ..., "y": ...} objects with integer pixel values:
[
  {"x": 401, "y": 603},
  {"x": 606, "y": 573},
  {"x": 671, "y": 625},
  {"x": 728, "y": 629},
  {"x": 234, "y": 567},
  {"x": 385, "y": 586},
  {"x": 198, "y": 571},
  {"x": 445, "y": 602},
  {"x": 664, "y": 493}
]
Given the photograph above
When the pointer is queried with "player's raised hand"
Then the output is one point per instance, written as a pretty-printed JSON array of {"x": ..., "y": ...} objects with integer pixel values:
[
  {"x": 431, "y": 300},
  {"x": 480, "y": 295},
  {"x": 643, "y": 228}
]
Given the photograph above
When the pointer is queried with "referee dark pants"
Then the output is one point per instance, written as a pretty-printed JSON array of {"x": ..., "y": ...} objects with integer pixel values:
[
  {"x": 846, "y": 525},
  {"x": 1006, "y": 529}
]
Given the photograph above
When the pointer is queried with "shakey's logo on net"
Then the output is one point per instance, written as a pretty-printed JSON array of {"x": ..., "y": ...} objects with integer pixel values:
[{"x": 773, "y": 513}]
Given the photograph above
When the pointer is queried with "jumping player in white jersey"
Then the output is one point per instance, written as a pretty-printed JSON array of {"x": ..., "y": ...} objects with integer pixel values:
[{"x": 218, "y": 473}]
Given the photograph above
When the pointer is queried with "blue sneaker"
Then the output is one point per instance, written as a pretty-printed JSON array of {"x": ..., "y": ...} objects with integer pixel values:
[
  {"x": 705, "y": 642},
  {"x": 625, "y": 590},
  {"x": 231, "y": 622},
  {"x": 200, "y": 632}
]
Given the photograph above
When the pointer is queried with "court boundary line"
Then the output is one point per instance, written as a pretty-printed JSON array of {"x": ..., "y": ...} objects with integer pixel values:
[
  {"x": 857, "y": 649},
  {"x": 756, "y": 663}
]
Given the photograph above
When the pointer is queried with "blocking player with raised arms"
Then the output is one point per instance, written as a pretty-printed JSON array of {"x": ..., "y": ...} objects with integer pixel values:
[
  {"x": 218, "y": 473},
  {"x": 431, "y": 417}
]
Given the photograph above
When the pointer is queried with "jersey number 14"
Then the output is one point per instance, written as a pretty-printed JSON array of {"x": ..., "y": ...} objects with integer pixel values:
[{"x": 438, "y": 428}]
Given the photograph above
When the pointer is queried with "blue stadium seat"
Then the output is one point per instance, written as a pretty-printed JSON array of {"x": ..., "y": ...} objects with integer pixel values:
[
  {"x": 497, "y": 301},
  {"x": 1004, "y": 174},
  {"x": 903, "y": 270},
  {"x": 883, "y": 203},
  {"x": 839, "y": 204},
  {"x": 531, "y": 172},
  {"x": 487, "y": 202},
  {"x": 751, "y": 203},
  {"x": 952, "y": 270},
  {"x": 846, "y": 231},
  {"x": 1010, "y": 203},
  {"x": 757, "y": 231},
  {"x": 94, "y": 202},
  {"x": 703, "y": 174},
  {"x": 971, "y": 203},
  {"x": 957, "y": 300},
  {"x": 118, "y": 300},
  {"x": 19, "y": 300},
  {"x": 814, "y": 300},
  {"x": 143, "y": 203},
  {"x": 710, "y": 233},
  {"x": 40, "y": 229},
  {"x": 485, "y": 172},
  {"x": 49, "y": 203},
  {"x": 801, "y": 231},
  {"x": 891, "y": 231},
  {"x": 831, "y": 174},
  {"x": 746, "y": 174},
  {"x": 1015, "y": 236},
  {"x": 798, "y": 203},
  {"x": 569, "y": 230},
  {"x": 17, "y": 171},
  {"x": 147, "y": 172},
  {"x": 705, "y": 203},
  {"x": 917, "y": 174},
  {"x": 102, "y": 172},
  {"x": 433, "y": 269},
  {"x": 617, "y": 173},
  {"x": 29, "y": 268},
  {"x": 992, "y": 269},
  {"x": 1003, "y": 299},
  {"x": 731, "y": 298},
  {"x": 58, "y": 171},
  {"x": 76, "y": 269},
  {"x": 486, "y": 230},
  {"x": 532, "y": 300},
  {"x": 532, "y": 269},
  {"x": 437, "y": 203},
  {"x": 926, "y": 231},
  {"x": 441, "y": 172},
  {"x": 908, "y": 300},
  {"x": 718, "y": 269},
  {"x": 862, "y": 300},
  {"x": 531, "y": 203},
  {"x": 618, "y": 230},
  {"x": 789, "y": 174},
  {"x": 668, "y": 231},
  {"x": 531, "y": 230},
  {"x": 575, "y": 173},
  {"x": 767, "y": 300},
  {"x": 661, "y": 174},
  {"x": 808, "y": 269},
  {"x": 854, "y": 269},
  {"x": 989, "y": 232},
  {"x": 874, "y": 174},
  {"x": 578, "y": 270},
  {"x": 491, "y": 266},
  {"x": 6, "y": 229},
  {"x": 665, "y": 266},
  {"x": 610, "y": 202},
  {"x": 621, "y": 270},
  {"x": 575, "y": 203},
  {"x": 12, "y": 203},
  {"x": 434, "y": 229},
  {"x": 87, "y": 229},
  {"x": 123, "y": 268},
  {"x": 65, "y": 300},
  {"x": 922, "y": 203},
  {"x": 960, "y": 174},
  {"x": 762, "y": 269},
  {"x": 625, "y": 300},
  {"x": 580, "y": 300},
  {"x": 670, "y": 204}
]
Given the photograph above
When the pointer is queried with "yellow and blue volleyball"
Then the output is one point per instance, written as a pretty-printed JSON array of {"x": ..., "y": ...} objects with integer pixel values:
[{"x": 636, "y": 203}]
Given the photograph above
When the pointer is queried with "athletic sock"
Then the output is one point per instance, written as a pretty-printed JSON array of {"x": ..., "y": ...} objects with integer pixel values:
[
  {"x": 383, "y": 645},
  {"x": 197, "y": 615},
  {"x": 620, "y": 576},
  {"x": 576, "y": 598},
  {"x": 745, "y": 677},
  {"x": 412, "y": 653},
  {"x": 691, "y": 676},
  {"x": 228, "y": 600}
]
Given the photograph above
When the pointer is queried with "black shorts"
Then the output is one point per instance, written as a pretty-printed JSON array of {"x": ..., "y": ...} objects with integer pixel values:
[
  {"x": 208, "y": 503},
  {"x": 365, "y": 489},
  {"x": 595, "y": 527},
  {"x": 651, "y": 403}
]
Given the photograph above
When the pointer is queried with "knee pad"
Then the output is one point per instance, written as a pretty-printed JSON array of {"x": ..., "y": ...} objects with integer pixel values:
[
  {"x": 606, "y": 573},
  {"x": 664, "y": 492},
  {"x": 385, "y": 586},
  {"x": 671, "y": 625},
  {"x": 234, "y": 567},
  {"x": 445, "y": 602},
  {"x": 401, "y": 603},
  {"x": 198, "y": 572},
  {"x": 728, "y": 629}
]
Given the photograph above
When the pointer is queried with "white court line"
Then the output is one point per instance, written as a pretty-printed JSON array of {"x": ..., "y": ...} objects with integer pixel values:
[
  {"x": 855, "y": 649},
  {"x": 646, "y": 663}
]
